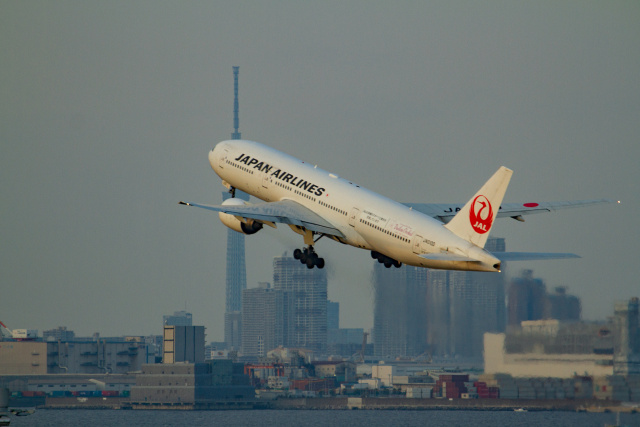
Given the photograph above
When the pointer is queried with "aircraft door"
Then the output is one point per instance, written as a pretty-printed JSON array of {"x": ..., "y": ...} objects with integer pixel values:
[
  {"x": 353, "y": 217},
  {"x": 419, "y": 245},
  {"x": 223, "y": 158}
]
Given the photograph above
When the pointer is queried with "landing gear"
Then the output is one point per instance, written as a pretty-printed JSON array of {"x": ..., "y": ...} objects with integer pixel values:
[
  {"x": 232, "y": 191},
  {"x": 383, "y": 259},
  {"x": 309, "y": 257}
]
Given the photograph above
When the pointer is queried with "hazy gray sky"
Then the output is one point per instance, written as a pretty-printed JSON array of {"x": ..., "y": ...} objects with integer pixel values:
[{"x": 109, "y": 109}]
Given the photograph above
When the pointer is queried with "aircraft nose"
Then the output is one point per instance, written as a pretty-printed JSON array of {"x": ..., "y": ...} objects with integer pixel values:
[{"x": 212, "y": 157}]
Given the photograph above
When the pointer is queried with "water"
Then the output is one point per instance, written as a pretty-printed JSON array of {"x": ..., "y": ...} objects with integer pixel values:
[{"x": 280, "y": 418}]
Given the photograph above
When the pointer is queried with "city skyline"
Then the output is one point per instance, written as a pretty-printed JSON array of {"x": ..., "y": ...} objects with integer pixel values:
[{"x": 110, "y": 112}]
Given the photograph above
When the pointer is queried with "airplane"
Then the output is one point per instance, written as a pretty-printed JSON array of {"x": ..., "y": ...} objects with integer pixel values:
[{"x": 315, "y": 204}]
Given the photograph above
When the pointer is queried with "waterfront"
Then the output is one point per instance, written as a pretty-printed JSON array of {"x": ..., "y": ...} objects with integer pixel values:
[{"x": 356, "y": 418}]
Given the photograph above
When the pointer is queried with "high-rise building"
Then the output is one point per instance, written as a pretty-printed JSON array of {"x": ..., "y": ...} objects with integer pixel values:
[
  {"x": 462, "y": 306},
  {"x": 399, "y": 317},
  {"x": 264, "y": 311},
  {"x": 178, "y": 318},
  {"x": 626, "y": 347},
  {"x": 236, "y": 283},
  {"x": 562, "y": 306},
  {"x": 438, "y": 308},
  {"x": 306, "y": 291},
  {"x": 526, "y": 298},
  {"x": 333, "y": 315}
]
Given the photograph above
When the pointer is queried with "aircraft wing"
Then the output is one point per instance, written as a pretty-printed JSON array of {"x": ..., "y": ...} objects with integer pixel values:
[
  {"x": 445, "y": 212},
  {"x": 284, "y": 212}
]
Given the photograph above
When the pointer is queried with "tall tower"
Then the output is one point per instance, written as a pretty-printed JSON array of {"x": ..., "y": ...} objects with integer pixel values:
[
  {"x": 236, "y": 105},
  {"x": 236, "y": 267}
]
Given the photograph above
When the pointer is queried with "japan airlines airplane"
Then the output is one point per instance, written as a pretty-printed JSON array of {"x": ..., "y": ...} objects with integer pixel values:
[{"x": 316, "y": 204}]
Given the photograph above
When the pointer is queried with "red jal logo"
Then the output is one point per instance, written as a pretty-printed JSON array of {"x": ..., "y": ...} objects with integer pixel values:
[{"x": 481, "y": 217}]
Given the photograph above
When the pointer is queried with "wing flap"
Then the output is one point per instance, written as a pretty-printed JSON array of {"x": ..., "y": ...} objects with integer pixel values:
[{"x": 284, "y": 212}]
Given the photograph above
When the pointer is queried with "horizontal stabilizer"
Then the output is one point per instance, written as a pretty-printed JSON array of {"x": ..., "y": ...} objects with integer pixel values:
[
  {"x": 446, "y": 211},
  {"x": 531, "y": 256}
]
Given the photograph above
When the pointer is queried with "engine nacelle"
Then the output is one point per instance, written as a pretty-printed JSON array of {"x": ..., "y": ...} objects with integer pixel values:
[{"x": 249, "y": 227}]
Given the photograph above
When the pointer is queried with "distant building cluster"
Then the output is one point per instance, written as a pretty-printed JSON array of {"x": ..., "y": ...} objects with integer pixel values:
[
  {"x": 436, "y": 313},
  {"x": 529, "y": 300},
  {"x": 293, "y": 313}
]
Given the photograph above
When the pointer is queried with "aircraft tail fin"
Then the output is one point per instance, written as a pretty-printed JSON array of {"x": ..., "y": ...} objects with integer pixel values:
[{"x": 474, "y": 221}]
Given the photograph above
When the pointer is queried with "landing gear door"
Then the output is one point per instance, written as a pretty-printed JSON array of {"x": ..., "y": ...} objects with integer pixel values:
[{"x": 353, "y": 217}]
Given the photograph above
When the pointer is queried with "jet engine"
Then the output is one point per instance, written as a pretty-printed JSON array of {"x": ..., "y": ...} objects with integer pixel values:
[{"x": 245, "y": 227}]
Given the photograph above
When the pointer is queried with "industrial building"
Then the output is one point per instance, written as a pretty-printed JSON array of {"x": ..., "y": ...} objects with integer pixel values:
[
  {"x": 61, "y": 333},
  {"x": 557, "y": 349},
  {"x": 73, "y": 357},
  {"x": 199, "y": 385},
  {"x": 183, "y": 344}
]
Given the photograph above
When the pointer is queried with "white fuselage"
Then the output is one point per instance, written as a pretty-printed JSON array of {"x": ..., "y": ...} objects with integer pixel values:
[{"x": 366, "y": 219}]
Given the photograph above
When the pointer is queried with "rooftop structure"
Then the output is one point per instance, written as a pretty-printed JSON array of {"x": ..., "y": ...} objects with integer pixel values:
[{"x": 178, "y": 318}]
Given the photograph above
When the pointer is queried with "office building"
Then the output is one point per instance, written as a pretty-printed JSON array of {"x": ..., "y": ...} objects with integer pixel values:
[{"x": 264, "y": 314}]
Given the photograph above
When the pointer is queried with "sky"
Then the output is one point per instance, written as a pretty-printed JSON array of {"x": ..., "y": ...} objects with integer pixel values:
[{"x": 109, "y": 110}]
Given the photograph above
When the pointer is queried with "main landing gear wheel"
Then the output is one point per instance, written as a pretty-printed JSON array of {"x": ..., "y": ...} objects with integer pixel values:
[
  {"x": 308, "y": 257},
  {"x": 383, "y": 259}
]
